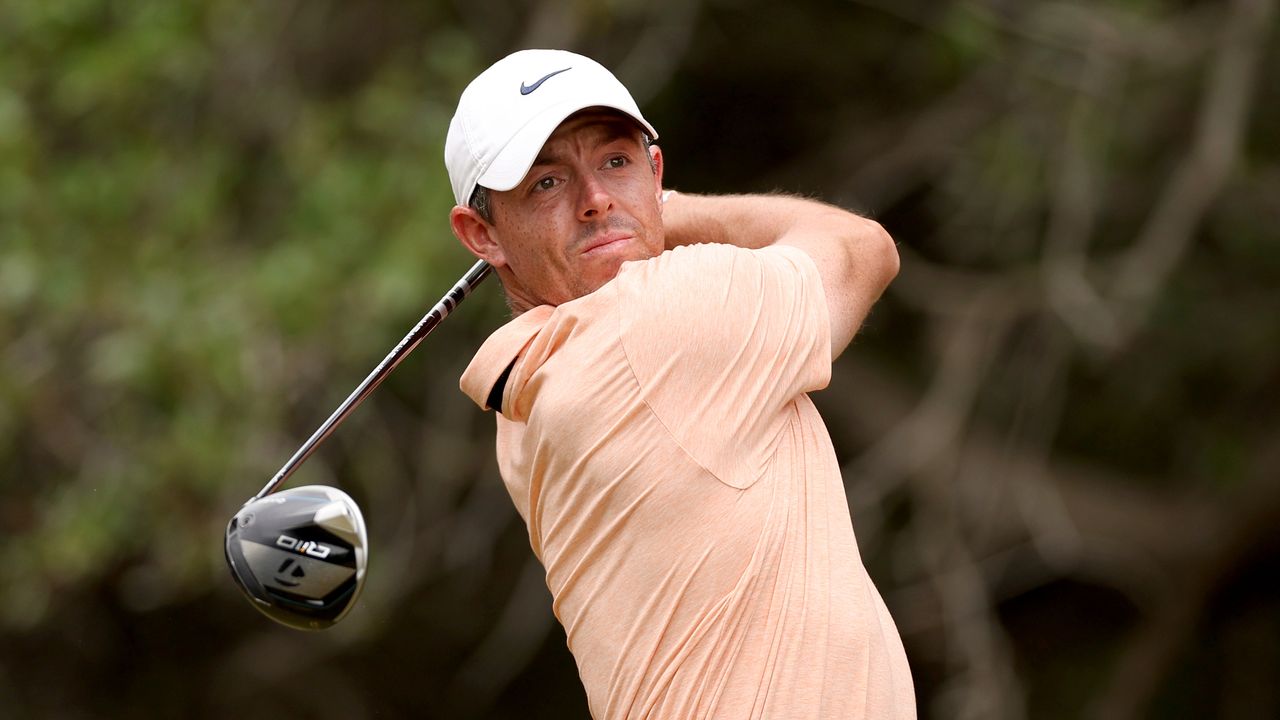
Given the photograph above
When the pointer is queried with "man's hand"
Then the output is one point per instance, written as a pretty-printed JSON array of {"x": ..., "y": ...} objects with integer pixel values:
[{"x": 856, "y": 258}]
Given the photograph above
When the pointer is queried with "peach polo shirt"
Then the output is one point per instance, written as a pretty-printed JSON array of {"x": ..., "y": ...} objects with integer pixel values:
[{"x": 683, "y": 495}]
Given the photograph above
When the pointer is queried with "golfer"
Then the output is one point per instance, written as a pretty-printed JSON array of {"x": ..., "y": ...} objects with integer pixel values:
[{"x": 654, "y": 430}]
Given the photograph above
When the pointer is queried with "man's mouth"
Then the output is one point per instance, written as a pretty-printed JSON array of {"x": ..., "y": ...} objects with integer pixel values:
[{"x": 603, "y": 241}]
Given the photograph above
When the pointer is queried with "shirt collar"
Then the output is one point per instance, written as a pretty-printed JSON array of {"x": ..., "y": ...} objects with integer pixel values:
[{"x": 499, "y": 351}]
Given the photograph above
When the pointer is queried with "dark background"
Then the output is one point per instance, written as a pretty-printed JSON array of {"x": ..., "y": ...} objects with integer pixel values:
[{"x": 1059, "y": 429}]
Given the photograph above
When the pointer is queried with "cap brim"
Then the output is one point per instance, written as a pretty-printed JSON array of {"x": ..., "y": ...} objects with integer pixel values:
[{"x": 513, "y": 162}]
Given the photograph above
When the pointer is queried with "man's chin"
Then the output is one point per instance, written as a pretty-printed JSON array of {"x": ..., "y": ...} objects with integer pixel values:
[
  {"x": 600, "y": 275},
  {"x": 605, "y": 269}
]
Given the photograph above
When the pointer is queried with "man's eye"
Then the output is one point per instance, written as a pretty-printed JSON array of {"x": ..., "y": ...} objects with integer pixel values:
[
  {"x": 617, "y": 162},
  {"x": 545, "y": 183}
]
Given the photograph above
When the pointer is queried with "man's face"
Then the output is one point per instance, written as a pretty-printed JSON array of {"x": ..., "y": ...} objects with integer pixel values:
[{"x": 590, "y": 202}]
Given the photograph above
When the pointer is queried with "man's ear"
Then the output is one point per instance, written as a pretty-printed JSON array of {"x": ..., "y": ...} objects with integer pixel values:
[
  {"x": 476, "y": 235},
  {"x": 655, "y": 152}
]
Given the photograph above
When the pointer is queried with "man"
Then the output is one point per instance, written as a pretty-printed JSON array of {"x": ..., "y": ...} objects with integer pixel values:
[{"x": 653, "y": 430}]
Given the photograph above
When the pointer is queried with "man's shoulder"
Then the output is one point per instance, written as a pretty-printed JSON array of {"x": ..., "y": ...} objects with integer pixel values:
[
  {"x": 686, "y": 256},
  {"x": 707, "y": 272},
  {"x": 697, "y": 293}
]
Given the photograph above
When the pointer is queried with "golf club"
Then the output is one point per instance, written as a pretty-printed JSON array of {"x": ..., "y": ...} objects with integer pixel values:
[{"x": 300, "y": 555}]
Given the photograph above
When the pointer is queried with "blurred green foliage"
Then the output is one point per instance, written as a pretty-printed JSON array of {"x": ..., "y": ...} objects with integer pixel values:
[{"x": 185, "y": 233}]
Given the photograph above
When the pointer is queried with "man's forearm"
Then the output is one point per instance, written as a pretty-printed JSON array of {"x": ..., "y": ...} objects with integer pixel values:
[
  {"x": 855, "y": 257},
  {"x": 748, "y": 221}
]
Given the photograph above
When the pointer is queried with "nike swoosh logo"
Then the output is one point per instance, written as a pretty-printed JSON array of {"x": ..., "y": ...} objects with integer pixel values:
[{"x": 526, "y": 89}]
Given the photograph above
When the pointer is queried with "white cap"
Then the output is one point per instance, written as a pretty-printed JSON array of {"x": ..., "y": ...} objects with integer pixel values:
[{"x": 508, "y": 112}]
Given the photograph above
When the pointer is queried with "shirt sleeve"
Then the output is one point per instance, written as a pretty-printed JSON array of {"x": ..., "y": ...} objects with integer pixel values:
[{"x": 722, "y": 341}]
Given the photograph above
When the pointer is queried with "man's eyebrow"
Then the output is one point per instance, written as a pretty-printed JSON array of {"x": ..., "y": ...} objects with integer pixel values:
[{"x": 544, "y": 158}]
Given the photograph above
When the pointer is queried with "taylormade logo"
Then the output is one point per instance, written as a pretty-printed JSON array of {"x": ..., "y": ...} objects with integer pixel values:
[{"x": 309, "y": 547}]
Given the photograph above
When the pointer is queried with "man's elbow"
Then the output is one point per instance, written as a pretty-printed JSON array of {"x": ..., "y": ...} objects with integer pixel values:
[
  {"x": 885, "y": 253},
  {"x": 873, "y": 256},
  {"x": 866, "y": 263}
]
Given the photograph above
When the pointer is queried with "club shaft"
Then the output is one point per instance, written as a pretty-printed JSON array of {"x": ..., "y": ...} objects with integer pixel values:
[{"x": 434, "y": 316}]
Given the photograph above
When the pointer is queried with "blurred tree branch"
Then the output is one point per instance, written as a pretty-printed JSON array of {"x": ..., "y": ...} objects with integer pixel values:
[{"x": 1200, "y": 176}]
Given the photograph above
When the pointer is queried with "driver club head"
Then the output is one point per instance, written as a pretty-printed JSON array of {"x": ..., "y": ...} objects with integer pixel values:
[{"x": 300, "y": 555}]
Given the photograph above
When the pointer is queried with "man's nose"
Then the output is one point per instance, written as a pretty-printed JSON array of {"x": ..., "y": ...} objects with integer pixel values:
[{"x": 596, "y": 201}]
